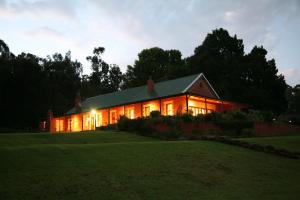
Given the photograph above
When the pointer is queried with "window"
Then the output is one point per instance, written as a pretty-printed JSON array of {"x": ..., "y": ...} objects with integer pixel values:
[
  {"x": 147, "y": 111},
  {"x": 129, "y": 113},
  {"x": 196, "y": 110},
  {"x": 169, "y": 109},
  {"x": 99, "y": 119},
  {"x": 57, "y": 128}
]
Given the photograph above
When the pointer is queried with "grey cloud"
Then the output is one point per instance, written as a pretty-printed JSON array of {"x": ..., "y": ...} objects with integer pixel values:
[
  {"x": 174, "y": 23},
  {"x": 42, "y": 8},
  {"x": 44, "y": 31}
]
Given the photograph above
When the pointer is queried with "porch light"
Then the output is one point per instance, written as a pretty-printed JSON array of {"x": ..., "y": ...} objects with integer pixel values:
[{"x": 93, "y": 112}]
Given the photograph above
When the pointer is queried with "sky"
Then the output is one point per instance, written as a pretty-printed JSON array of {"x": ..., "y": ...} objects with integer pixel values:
[{"x": 125, "y": 27}]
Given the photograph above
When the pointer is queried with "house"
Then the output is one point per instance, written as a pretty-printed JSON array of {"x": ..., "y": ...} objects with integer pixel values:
[{"x": 192, "y": 94}]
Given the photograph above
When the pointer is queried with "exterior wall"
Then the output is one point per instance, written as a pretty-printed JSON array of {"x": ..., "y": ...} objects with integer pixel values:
[
  {"x": 202, "y": 88},
  {"x": 76, "y": 122},
  {"x": 115, "y": 114},
  {"x": 152, "y": 105},
  {"x": 178, "y": 105},
  {"x": 103, "y": 117}
]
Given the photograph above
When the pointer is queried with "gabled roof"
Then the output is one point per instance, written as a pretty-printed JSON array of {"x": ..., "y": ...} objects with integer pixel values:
[{"x": 161, "y": 89}]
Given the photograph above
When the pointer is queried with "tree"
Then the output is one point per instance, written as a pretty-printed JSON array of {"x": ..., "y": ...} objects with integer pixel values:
[
  {"x": 62, "y": 76},
  {"x": 104, "y": 78},
  {"x": 293, "y": 96},
  {"x": 219, "y": 58},
  {"x": 155, "y": 62},
  {"x": 238, "y": 77}
]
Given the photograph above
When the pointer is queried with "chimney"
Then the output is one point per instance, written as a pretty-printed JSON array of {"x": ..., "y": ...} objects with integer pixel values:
[
  {"x": 78, "y": 102},
  {"x": 150, "y": 85}
]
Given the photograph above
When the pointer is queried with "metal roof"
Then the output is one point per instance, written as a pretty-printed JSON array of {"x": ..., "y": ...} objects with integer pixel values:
[{"x": 136, "y": 94}]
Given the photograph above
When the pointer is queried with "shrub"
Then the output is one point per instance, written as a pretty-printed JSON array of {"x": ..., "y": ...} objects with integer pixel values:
[
  {"x": 186, "y": 117},
  {"x": 295, "y": 120},
  {"x": 236, "y": 125},
  {"x": 267, "y": 116},
  {"x": 154, "y": 114},
  {"x": 199, "y": 118}
]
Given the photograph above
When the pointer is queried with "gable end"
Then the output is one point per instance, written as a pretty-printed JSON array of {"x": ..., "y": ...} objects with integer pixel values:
[{"x": 200, "y": 85}]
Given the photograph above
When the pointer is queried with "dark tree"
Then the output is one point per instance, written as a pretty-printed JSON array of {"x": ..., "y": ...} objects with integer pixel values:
[
  {"x": 155, "y": 62},
  {"x": 264, "y": 87},
  {"x": 63, "y": 80},
  {"x": 104, "y": 78},
  {"x": 219, "y": 58},
  {"x": 293, "y": 96},
  {"x": 238, "y": 77}
]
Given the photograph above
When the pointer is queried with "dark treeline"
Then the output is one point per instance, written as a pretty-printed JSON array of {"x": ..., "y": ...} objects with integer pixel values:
[{"x": 30, "y": 85}]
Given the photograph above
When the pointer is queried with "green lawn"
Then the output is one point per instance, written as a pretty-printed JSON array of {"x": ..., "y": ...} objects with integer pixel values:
[
  {"x": 291, "y": 143},
  {"x": 106, "y": 165}
]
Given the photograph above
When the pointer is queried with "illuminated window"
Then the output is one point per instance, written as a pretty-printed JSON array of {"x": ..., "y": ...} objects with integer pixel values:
[
  {"x": 169, "y": 109},
  {"x": 57, "y": 125},
  {"x": 129, "y": 113},
  {"x": 99, "y": 119},
  {"x": 147, "y": 111},
  {"x": 195, "y": 110}
]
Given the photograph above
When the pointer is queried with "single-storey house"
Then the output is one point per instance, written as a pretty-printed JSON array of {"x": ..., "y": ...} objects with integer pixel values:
[{"x": 192, "y": 94}]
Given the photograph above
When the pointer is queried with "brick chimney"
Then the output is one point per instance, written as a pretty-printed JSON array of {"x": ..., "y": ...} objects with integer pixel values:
[
  {"x": 78, "y": 102},
  {"x": 150, "y": 85}
]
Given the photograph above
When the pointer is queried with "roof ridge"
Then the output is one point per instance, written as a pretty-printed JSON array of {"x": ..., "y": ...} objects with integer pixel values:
[{"x": 142, "y": 86}]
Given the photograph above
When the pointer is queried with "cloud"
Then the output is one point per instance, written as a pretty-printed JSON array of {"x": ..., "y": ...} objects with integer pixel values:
[
  {"x": 45, "y": 32},
  {"x": 292, "y": 75},
  {"x": 126, "y": 27},
  {"x": 35, "y": 9}
]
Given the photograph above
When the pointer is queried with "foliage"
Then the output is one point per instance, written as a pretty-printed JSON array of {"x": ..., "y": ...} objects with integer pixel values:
[
  {"x": 293, "y": 96},
  {"x": 222, "y": 59},
  {"x": 31, "y": 85},
  {"x": 154, "y": 113},
  {"x": 267, "y": 116},
  {"x": 155, "y": 62},
  {"x": 104, "y": 78}
]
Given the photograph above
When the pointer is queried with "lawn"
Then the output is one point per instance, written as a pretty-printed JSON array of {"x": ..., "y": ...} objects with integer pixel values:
[
  {"x": 108, "y": 165},
  {"x": 291, "y": 143}
]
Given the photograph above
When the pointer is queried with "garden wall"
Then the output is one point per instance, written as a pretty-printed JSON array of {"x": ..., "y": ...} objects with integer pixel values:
[{"x": 268, "y": 129}]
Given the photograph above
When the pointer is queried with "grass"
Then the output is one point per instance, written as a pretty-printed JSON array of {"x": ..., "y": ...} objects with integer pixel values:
[
  {"x": 291, "y": 143},
  {"x": 107, "y": 165}
]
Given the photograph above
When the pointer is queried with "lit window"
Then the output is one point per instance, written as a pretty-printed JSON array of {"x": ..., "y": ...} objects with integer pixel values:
[
  {"x": 99, "y": 119},
  {"x": 169, "y": 109},
  {"x": 147, "y": 111},
  {"x": 129, "y": 113},
  {"x": 195, "y": 110}
]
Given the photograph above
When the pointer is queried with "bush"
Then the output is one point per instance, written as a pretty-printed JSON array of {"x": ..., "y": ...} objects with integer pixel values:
[
  {"x": 295, "y": 120},
  {"x": 231, "y": 123},
  {"x": 187, "y": 117},
  {"x": 154, "y": 114},
  {"x": 267, "y": 116},
  {"x": 238, "y": 126}
]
